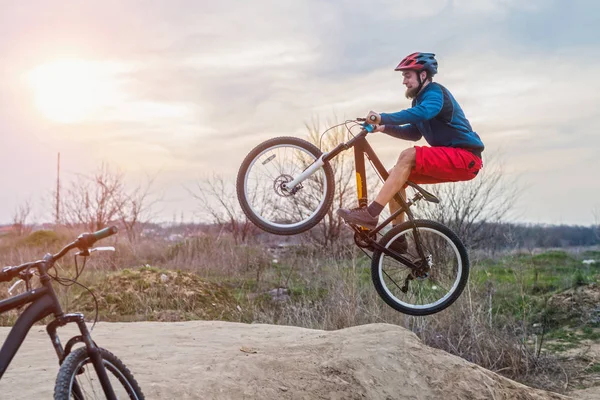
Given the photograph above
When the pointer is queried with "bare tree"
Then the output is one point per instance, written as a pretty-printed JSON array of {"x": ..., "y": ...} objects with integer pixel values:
[
  {"x": 331, "y": 229},
  {"x": 20, "y": 216},
  {"x": 94, "y": 201},
  {"x": 474, "y": 209},
  {"x": 136, "y": 209},
  {"x": 101, "y": 199},
  {"x": 219, "y": 202}
]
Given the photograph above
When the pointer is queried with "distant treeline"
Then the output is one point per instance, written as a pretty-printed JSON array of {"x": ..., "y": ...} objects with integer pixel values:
[
  {"x": 491, "y": 236},
  {"x": 507, "y": 235}
]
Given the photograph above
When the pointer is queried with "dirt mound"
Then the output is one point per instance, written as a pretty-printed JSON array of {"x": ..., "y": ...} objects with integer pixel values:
[
  {"x": 151, "y": 294},
  {"x": 581, "y": 303},
  {"x": 224, "y": 360}
]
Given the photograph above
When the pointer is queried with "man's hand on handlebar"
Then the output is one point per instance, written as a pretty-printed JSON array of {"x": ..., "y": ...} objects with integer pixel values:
[{"x": 373, "y": 118}]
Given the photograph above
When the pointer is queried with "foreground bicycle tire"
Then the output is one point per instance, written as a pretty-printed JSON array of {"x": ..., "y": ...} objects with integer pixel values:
[
  {"x": 427, "y": 295},
  {"x": 271, "y": 209},
  {"x": 78, "y": 363}
]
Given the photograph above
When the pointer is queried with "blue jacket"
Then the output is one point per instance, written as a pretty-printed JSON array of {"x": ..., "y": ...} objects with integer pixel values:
[{"x": 436, "y": 116}]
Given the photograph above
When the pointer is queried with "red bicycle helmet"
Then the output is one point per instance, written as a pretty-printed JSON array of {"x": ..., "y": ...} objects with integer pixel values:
[{"x": 419, "y": 62}]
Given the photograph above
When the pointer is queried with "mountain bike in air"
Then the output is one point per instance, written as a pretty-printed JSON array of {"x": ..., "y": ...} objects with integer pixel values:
[
  {"x": 86, "y": 372},
  {"x": 286, "y": 186}
]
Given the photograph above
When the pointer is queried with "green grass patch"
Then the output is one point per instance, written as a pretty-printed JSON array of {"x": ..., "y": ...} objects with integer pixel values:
[
  {"x": 560, "y": 347},
  {"x": 594, "y": 368},
  {"x": 594, "y": 254}
]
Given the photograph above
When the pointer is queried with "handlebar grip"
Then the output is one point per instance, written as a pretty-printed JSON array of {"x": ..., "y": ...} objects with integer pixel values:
[
  {"x": 104, "y": 233},
  {"x": 6, "y": 274}
]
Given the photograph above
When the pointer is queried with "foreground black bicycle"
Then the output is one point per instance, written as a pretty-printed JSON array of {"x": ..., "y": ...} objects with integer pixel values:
[
  {"x": 286, "y": 186},
  {"x": 87, "y": 372}
]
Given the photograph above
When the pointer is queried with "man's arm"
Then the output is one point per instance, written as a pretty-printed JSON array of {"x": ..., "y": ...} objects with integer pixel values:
[
  {"x": 406, "y": 132},
  {"x": 430, "y": 106}
]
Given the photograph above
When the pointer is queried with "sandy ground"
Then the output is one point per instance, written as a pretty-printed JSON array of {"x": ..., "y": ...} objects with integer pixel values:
[{"x": 221, "y": 360}]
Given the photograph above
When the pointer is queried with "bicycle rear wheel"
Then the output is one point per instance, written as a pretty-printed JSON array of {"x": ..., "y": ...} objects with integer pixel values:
[
  {"x": 445, "y": 273},
  {"x": 264, "y": 197},
  {"x": 77, "y": 378}
]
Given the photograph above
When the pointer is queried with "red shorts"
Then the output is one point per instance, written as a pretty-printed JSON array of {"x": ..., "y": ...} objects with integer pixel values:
[{"x": 444, "y": 164}]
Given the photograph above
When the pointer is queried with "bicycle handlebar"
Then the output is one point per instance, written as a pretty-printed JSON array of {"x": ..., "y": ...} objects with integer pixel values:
[
  {"x": 372, "y": 118},
  {"x": 106, "y": 232},
  {"x": 368, "y": 127},
  {"x": 83, "y": 241}
]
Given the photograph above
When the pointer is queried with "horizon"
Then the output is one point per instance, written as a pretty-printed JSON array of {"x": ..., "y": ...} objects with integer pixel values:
[{"x": 186, "y": 89}]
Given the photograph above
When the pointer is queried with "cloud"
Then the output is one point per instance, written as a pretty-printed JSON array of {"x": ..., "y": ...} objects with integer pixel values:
[{"x": 202, "y": 83}]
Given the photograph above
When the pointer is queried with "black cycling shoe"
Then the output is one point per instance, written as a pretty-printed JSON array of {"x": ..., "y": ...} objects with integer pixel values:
[{"x": 358, "y": 216}]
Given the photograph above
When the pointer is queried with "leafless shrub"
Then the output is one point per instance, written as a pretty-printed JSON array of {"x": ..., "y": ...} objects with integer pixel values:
[
  {"x": 94, "y": 201},
  {"x": 331, "y": 228},
  {"x": 136, "y": 209},
  {"x": 467, "y": 330},
  {"x": 20, "y": 217},
  {"x": 331, "y": 232},
  {"x": 218, "y": 202},
  {"x": 98, "y": 200}
]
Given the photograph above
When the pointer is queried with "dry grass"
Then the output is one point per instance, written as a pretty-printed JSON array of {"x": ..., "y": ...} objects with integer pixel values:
[
  {"x": 502, "y": 346},
  {"x": 208, "y": 278},
  {"x": 151, "y": 294}
]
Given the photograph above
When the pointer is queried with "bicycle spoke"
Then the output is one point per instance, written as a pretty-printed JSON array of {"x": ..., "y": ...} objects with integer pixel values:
[
  {"x": 429, "y": 287},
  {"x": 265, "y": 193}
]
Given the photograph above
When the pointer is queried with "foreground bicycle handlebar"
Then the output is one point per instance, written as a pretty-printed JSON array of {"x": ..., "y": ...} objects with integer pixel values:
[
  {"x": 83, "y": 243},
  {"x": 77, "y": 364}
]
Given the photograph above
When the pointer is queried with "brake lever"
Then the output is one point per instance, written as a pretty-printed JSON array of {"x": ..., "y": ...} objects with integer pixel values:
[
  {"x": 25, "y": 276},
  {"x": 103, "y": 248},
  {"x": 87, "y": 252},
  {"x": 14, "y": 286}
]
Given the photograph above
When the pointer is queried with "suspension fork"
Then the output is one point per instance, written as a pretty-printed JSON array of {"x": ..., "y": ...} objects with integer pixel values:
[
  {"x": 289, "y": 186},
  {"x": 91, "y": 347}
]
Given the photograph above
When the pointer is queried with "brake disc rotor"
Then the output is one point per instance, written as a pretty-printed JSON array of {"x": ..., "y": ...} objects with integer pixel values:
[{"x": 278, "y": 185}]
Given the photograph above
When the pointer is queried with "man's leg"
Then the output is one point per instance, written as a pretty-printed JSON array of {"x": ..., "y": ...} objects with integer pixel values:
[
  {"x": 392, "y": 185},
  {"x": 400, "y": 245},
  {"x": 394, "y": 206},
  {"x": 398, "y": 177}
]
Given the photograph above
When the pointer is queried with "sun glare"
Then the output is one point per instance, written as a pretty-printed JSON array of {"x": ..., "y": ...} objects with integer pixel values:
[{"x": 70, "y": 91}]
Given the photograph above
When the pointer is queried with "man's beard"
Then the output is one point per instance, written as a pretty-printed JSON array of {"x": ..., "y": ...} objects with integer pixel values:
[{"x": 411, "y": 93}]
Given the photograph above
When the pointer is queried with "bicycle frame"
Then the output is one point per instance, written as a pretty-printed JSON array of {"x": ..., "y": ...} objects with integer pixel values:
[
  {"x": 363, "y": 149},
  {"x": 44, "y": 302}
]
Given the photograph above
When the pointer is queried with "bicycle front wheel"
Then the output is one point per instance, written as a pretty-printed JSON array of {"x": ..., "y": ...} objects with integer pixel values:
[
  {"x": 443, "y": 274},
  {"x": 77, "y": 378},
  {"x": 264, "y": 196}
]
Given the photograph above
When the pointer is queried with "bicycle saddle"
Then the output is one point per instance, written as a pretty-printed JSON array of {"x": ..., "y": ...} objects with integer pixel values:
[{"x": 426, "y": 195}]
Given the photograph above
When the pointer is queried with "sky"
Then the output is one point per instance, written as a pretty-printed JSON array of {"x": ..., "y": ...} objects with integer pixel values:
[{"x": 183, "y": 89}]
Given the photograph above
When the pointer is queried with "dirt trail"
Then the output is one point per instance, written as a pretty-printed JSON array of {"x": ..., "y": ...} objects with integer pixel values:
[{"x": 222, "y": 360}]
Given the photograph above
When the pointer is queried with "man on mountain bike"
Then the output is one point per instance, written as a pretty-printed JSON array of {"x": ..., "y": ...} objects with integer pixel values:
[{"x": 455, "y": 150}]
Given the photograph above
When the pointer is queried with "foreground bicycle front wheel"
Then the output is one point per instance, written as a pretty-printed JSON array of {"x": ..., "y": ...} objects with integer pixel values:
[
  {"x": 264, "y": 196},
  {"x": 444, "y": 269},
  {"x": 77, "y": 378}
]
